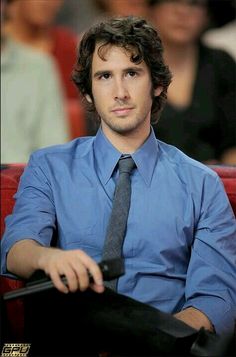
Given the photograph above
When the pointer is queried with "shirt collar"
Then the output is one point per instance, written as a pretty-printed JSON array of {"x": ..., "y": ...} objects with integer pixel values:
[
  {"x": 146, "y": 157},
  {"x": 107, "y": 157}
]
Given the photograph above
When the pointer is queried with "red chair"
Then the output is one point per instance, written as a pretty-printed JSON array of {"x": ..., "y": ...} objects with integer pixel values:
[
  {"x": 228, "y": 176},
  {"x": 10, "y": 175}
]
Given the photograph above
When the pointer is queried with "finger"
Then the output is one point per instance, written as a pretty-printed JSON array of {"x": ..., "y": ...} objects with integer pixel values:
[
  {"x": 72, "y": 279},
  {"x": 82, "y": 277},
  {"x": 57, "y": 282},
  {"x": 96, "y": 274},
  {"x": 92, "y": 267},
  {"x": 97, "y": 288}
]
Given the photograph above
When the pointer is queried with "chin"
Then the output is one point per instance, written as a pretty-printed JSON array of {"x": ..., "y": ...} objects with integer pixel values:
[{"x": 125, "y": 129}]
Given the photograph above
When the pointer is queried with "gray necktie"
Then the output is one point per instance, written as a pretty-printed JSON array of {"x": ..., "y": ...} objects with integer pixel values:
[{"x": 119, "y": 215}]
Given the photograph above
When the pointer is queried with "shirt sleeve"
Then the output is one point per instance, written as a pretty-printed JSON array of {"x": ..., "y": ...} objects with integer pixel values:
[
  {"x": 34, "y": 214},
  {"x": 211, "y": 275}
]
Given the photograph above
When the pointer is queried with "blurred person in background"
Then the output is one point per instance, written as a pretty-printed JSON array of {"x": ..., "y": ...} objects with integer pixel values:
[
  {"x": 32, "y": 109},
  {"x": 223, "y": 32},
  {"x": 123, "y": 7},
  {"x": 31, "y": 22},
  {"x": 223, "y": 37},
  {"x": 78, "y": 15},
  {"x": 199, "y": 117}
]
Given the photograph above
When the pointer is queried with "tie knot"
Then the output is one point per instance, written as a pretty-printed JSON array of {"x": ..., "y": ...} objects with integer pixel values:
[{"x": 126, "y": 164}]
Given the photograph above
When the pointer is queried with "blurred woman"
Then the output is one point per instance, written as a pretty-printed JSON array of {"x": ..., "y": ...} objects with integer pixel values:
[{"x": 199, "y": 117}]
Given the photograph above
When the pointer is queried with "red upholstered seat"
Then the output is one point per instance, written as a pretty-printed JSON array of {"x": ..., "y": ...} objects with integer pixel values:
[
  {"x": 10, "y": 175},
  {"x": 228, "y": 176}
]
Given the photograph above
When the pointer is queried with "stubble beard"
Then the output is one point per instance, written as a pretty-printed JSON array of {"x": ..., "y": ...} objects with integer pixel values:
[{"x": 124, "y": 125}]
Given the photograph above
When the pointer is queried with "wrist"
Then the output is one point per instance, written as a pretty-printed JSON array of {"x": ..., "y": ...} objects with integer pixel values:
[
  {"x": 42, "y": 257},
  {"x": 195, "y": 318}
]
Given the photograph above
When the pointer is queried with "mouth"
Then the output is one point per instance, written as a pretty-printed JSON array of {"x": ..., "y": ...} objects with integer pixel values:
[{"x": 122, "y": 111}]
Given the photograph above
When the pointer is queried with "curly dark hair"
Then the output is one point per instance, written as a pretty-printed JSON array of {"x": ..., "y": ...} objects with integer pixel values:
[{"x": 136, "y": 36}]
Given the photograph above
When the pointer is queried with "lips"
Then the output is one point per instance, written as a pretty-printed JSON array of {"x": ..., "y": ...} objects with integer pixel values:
[{"x": 122, "y": 111}]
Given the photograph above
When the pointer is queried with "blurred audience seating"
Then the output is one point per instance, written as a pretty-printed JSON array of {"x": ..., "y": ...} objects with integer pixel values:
[{"x": 10, "y": 175}]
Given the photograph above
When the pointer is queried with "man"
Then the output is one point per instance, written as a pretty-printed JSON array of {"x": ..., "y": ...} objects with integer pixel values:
[{"x": 180, "y": 240}]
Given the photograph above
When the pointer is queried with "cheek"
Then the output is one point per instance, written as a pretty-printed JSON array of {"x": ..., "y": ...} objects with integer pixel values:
[
  {"x": 97, "y": 96},
  {"x": 100, "y": 91},
  {"x": 143, "y": 91},
  {"x": 102, "y": 96},
  {"x": 100, "y": 102},
  {"x": 144, "y": 102}
]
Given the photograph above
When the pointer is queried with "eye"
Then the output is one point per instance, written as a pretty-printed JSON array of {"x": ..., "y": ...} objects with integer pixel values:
[
  {"x": 131, "y": 73},
  {"x": 105, "y": 76}
]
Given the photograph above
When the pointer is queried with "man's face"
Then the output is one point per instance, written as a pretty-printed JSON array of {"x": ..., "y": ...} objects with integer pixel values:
[{"x": 121, "y": 91}]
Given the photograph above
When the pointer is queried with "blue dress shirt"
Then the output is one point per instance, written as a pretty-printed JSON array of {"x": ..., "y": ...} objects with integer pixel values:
[{"x": 180, "y": 245}]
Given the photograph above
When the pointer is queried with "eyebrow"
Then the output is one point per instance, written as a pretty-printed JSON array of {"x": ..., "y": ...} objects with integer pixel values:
[{"x": 129, "y": 69}]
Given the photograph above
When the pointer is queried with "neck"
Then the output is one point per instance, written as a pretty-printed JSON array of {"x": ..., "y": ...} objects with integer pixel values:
[
  {"x": 129, "y": 142},
  {"x": 178, "y": 56}
]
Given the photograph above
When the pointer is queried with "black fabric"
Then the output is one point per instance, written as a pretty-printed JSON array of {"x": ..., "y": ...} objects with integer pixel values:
[{"x": 87, "y": 323}]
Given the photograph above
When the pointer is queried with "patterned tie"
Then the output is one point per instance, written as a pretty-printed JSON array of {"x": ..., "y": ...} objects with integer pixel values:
[{"x": 119, "y": 215}]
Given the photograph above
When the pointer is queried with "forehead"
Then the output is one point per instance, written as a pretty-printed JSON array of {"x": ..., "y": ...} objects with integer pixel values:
[{"x": 113, "y": 55}]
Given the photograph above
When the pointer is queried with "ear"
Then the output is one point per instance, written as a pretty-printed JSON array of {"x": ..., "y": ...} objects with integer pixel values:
[
  {"x": 88, "y": 98},
  {"x": 158, "y": 91}
]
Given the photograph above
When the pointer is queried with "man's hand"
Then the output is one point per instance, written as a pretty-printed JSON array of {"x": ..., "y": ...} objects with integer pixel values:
[
  {"x": 27, "y": 256},
  {"x": 195, "y": 318},
  {"x": 74, "y": 265}
]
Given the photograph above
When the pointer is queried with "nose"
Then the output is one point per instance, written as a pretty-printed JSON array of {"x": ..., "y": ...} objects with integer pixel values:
[{"x": 121, "y": 92}]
